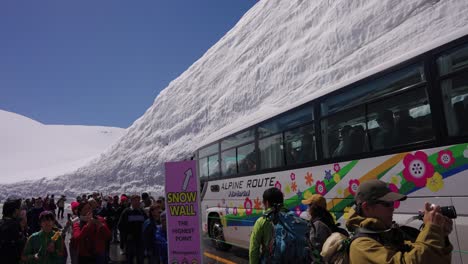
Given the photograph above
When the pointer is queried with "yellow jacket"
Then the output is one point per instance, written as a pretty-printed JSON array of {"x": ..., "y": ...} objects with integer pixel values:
[{"x": 430, "y": 246}]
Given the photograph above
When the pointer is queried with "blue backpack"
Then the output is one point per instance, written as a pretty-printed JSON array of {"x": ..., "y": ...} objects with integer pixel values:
[{"x": 290, "y": 239}]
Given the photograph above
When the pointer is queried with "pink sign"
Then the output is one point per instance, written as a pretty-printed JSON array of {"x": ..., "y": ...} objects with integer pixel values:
[{"x": 183, "y": 219}]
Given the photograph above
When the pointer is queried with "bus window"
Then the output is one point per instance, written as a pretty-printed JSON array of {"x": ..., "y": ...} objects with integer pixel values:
[
  {"x": 246, "y": 158},
  {"x": 288, "y": 121},
  {"x": 453, "y": 61},
  {"x": 271, "y": 152},
  {"x": 228, "y": 162},
  {"x": 238, "y": 139},
  {"x": 213, "y": 166},
  {"x": 300, "y": 145},
  {"x": 374, "y": 89},
  {"x": 455, "y": 90},
  {"x": 399, "y": 120},
  {"x": 203, "y": 167},
  {"x": 210, "y": 150},
  {"x": 344, "y": 133}
]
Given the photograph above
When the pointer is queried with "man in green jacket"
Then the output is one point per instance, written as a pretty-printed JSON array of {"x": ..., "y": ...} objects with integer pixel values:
[
  {"x": 261, "y": 239},
  {"x": 374, "y": 212}
]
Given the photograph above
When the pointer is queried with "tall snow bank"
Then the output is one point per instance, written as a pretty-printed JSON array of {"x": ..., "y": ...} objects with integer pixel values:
[{"x": 279, "y": 53}]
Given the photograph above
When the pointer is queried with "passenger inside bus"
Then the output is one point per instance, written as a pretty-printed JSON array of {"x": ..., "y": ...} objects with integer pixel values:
[
  {"x": 345, "y": 142},
  {"x": 357, "y": 140},
  {"x": 385, "y": 136}
]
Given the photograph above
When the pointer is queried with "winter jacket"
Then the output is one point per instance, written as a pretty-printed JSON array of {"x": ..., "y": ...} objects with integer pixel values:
[
  {"x": 131, "y": 224},
  {"x": 38, "y": 243},
  {"x": 149, "y": 234},
  {"x": 430, "y": 246},
  {"x": 11, "y": 240},
  {"x": 261, "y": 239},
  {"x": 91, "y": 240},
  {"x": 319, "y": 232}
]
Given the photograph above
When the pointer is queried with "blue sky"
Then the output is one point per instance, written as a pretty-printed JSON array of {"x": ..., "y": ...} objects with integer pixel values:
[{"x": 102, "y": 62}]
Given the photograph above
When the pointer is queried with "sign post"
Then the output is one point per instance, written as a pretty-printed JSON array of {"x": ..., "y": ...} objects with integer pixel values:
[{"x": 182, "y": 212}]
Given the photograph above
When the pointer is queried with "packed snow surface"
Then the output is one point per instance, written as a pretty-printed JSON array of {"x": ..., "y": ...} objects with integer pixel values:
[
  {"x": 31, "y": 150},
  {"x": 280, "y": 54}
]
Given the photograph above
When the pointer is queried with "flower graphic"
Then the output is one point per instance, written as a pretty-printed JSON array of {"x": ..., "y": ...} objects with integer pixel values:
[
  {"x": 353, "y": 186},
  {"x": 234, "y": 211},
  {"x": 320, "y": 188},
  {"x": 346, "y": 212},
  {"x": 299, "y": 194},
  {"x": 336, "y": 167},
  {"x": 227, "y": 210},
  {"x": 445, "y": 158},
  {"x": 435, "y": 183},
  {"x": 241, "y": 211},
  {"x": 309, "y": 179},
  {"x": 339, "y": 192},
  {"x": 394, "y": 188},
  {"x": 396, "y": 179},
  {"x": 294, "y": 186},
  {"x": 417, "y": 168},
  {"x": 336, "y": 178},
  {"x": 287, "y": 189},
  {"x": 258, "y": 204},
  {"x": 223, "y": 201},
  {"x": 293, "y": 176},
  {"x": 248, "y": 206},
  {"x": 307, "y": 194},
  {"x": 297, "y": 210},
  {"x": 278, "y": 185},
  {"x": 328, "y": 175}
]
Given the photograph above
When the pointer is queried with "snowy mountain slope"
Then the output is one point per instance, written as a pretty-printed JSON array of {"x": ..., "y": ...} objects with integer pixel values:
[
  {"x": 31, "y": 150},
  {"x": 279, "y": 53}
]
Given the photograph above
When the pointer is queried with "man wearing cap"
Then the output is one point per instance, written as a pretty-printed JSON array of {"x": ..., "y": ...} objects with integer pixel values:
[{"x": 374, "y": 212}]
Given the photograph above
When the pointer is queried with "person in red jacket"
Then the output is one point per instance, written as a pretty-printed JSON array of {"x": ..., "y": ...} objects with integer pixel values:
[{"x": 91, "y": 235}]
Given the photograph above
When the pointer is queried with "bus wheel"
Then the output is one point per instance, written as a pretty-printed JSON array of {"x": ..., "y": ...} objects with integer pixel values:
[{"x": 217, "y": 235}]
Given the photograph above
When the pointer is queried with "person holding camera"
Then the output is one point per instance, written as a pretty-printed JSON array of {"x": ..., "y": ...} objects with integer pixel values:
[
  {"x": 379, "y": 240},
  {"x": 90, "y": 235}
]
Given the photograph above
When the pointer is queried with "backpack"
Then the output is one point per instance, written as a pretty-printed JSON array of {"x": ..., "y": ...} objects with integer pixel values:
[
  {"x": 336, "y": 248},
  {"x": 312, "y": 236},
  {"x": 290, "y": 241}
]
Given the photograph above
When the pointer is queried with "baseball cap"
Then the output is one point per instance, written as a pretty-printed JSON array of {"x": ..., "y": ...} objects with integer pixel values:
[
  {"x": 377, "y": 190},
  {"x": 316, "y": 199}
]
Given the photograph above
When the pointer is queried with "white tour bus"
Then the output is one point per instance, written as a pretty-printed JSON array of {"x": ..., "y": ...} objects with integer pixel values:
[{"x": 406, "y": 125}]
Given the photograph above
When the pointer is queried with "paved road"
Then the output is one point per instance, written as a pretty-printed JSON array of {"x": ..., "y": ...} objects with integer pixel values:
[{"x": 234, "y": 255}]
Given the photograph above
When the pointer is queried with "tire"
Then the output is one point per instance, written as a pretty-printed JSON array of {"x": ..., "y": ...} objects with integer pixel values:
[{"x": 217, "y": 235}]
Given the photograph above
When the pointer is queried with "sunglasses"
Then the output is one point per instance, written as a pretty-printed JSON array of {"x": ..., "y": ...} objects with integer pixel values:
[{"x": 384, "y": 203}]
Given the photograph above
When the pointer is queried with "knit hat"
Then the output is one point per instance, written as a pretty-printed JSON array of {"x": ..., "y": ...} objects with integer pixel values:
[
  {"x": 74, "y": 205},
  {"x": 316, "y": 199}
]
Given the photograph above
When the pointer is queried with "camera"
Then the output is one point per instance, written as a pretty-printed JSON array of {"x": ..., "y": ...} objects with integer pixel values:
[{"x": 448, "y": 211}]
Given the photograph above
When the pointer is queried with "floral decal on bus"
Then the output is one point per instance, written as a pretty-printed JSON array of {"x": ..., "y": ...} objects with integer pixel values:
[
  {"x": 353, "y": 186},
  {"x": 435, "y": 183},
  {"x": 248, "y": 206},
  {"x": 406, "y": 173},
  {"x": 320, "y": 188},
  {"x": 417, "y": 168},
  {"x": 308, "y": 178},
  {"x": 445, "y": 158}
]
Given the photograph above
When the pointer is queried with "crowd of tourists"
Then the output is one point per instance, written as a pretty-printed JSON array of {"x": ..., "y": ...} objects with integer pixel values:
[{"x": 31, "y": 230}]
